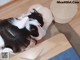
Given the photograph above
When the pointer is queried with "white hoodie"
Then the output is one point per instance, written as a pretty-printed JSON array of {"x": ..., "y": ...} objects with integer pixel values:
[{"x": 47, "y": 18}]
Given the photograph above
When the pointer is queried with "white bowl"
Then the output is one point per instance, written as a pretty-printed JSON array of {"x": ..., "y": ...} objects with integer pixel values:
[{"x": 63, "y": 13}]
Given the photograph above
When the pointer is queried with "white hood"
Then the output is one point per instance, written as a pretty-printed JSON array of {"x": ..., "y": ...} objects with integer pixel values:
[
  {"x": 46, "y": 13},
  {"x": 41, "y": 31}
]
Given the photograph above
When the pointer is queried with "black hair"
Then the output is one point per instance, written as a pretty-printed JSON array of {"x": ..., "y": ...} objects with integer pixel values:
[
  {"x": 14, "y": 37},
  {"x": 37, "y": 16},
  {"x": 34, "y": 31}
]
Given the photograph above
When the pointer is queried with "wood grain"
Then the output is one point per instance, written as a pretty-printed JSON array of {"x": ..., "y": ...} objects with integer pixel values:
[
  {"x": 11, "y": 2},
  {"x": 75, "y": 23},
  {"x": 20, "y": 7},
  {"x": 52, "y": 46}
]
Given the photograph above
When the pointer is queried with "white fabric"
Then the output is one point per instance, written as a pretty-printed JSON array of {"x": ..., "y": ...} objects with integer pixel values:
[
  {"x": 33, "y": 22},
  {"x": 46, "y": 13},
  {"x": 19, "y": 23},
  {"x": 41, "y": 31},
  {"x": 1, "y": 42},
  {"x": 7, "y": 50}
]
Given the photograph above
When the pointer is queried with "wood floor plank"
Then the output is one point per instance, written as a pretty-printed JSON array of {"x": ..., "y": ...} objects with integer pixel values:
[{"x": 20, "y": 7}]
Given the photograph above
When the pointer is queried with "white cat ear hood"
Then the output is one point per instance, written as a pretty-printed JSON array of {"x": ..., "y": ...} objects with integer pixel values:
[
  {"x": 47, "y": 18},
  {"x": 46, "y": 13},
  {"x": 33, "y": 22},
  {"x": 41, "y": 31}
]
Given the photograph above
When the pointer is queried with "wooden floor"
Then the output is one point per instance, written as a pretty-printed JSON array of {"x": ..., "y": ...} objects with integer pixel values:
[
  {"x": 19, "y": 7},
  {"x": 75, "y": 23}
]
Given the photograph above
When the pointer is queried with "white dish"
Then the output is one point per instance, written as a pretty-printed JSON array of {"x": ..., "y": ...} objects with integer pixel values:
[{"x": 63, "y": 12}]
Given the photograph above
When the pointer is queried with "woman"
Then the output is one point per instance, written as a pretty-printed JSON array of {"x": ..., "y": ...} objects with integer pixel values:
[{"x": 12, "y": 38}]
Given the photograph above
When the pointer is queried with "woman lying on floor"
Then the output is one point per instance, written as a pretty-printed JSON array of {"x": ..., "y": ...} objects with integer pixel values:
[
  {"x": 12, "y": 38},
  {"x": 18, "y": 33}
]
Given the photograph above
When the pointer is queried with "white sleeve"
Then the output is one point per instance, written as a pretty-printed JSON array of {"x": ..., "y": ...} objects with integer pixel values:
[
  {"x": 1, "y": 42},
  {"x": 9, "y": 50}
]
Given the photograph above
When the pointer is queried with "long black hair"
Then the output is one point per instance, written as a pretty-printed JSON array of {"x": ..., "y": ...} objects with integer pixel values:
[{"x": 14, "y": 37}]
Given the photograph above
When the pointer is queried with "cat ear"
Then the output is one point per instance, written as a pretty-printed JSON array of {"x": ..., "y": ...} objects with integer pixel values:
[{"x": 1, "y": 42}]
